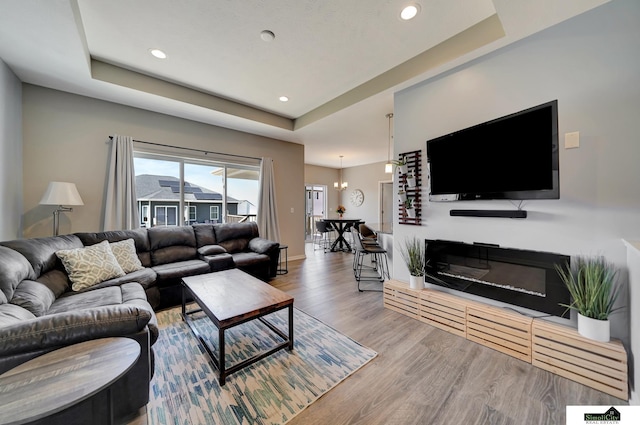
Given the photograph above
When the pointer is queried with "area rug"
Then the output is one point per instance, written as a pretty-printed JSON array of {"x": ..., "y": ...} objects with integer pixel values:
[{"x": 185, "y": 389}]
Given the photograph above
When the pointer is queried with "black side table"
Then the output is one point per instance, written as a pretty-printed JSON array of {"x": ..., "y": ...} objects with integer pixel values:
[{"x": 285, "y": 269}]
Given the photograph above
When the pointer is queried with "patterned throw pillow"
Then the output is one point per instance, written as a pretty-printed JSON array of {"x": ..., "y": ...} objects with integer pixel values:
[
  {"x": 125, "y": 253},
  {"x": 90, "y": 265}
]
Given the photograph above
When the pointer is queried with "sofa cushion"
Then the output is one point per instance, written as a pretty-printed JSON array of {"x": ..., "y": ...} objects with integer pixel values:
[
  {"x": 89, "y": 299},
  {"x": 11, "y": 314},
  {"x": 171, "y": 244},
  {"x": 248, "y": 259},
  {"x": 71, "y": 327},
  {"x": 14, "y": 268},
  {"x": 90, "y": 265},
  {"x": 230, "y": 231},
  {"x": 56, "y": 280},
  {"x": 145, "y": 277},
  {"x": 180, "y": 269},
  {"x": 204, "y": 234},
  {"x": 139, "y": 236},
  {"x": 125, "y": 253},
  {"x": 33, "y": 296},
  {"x": 41, "y": 252},
  {"x": 235, "y": 245}
]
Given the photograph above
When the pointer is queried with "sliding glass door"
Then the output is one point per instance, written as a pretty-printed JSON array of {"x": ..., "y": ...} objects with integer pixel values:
[
  {"x": 315, "y": 207},
  {"x": 174, "y": 191}
]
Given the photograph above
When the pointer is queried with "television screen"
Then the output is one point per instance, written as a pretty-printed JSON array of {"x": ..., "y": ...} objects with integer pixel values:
[{"x": 513, "y": 157}]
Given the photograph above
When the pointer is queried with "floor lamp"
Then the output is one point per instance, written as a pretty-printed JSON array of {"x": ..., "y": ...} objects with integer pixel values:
[{"x": 61, "y": 193}]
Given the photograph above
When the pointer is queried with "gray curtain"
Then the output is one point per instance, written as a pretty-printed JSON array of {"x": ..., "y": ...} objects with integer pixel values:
[
  {"x": 267, "y": 210},
  {"x": 121, "y": 206}
]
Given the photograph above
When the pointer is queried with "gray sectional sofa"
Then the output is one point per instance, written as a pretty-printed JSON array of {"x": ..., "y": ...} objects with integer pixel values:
[{"x": 40, "y": 311}]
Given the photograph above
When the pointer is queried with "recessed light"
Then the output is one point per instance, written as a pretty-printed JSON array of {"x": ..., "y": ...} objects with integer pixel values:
[
  {"x": 158, "y": 53},
  {"x": 267, "y": 35},
  {"x": 409, "y": 11},
  {"x": 284, "y": 99}
]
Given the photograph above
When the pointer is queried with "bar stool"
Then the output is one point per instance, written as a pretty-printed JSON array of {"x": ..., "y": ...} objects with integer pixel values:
[{"x": 379, "y": 271}]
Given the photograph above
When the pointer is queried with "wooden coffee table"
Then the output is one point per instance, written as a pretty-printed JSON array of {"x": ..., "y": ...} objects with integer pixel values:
[{"x": 230, "y": 298}]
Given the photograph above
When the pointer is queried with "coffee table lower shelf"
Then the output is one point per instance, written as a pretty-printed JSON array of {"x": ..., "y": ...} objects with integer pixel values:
[{"x": 218, "y": 360}]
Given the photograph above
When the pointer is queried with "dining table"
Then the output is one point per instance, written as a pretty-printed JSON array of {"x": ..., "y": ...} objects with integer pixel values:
[{"x": 342, "y": 225}]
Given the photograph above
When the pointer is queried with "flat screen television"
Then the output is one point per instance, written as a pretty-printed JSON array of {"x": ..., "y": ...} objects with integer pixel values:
[{"x": 512, "y": 157}]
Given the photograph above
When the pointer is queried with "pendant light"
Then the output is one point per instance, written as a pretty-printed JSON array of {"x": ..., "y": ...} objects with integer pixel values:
[
  {"x": 340, "y": 185},
  {"x": 388, "y": 167}
]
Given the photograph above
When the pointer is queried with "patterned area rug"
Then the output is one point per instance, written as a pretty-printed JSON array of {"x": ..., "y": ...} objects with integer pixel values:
[{"x": 185, "y": 388}]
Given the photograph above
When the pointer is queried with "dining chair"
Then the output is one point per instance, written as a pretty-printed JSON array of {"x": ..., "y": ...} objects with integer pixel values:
[{"x": 322, "y": 236}]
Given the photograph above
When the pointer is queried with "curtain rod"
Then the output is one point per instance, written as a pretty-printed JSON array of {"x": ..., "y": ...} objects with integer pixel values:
[{"x": 193, "y": 149}]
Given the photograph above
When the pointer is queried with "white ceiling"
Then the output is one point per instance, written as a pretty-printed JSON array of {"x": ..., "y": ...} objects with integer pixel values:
[{"x": 338, "y": 61}]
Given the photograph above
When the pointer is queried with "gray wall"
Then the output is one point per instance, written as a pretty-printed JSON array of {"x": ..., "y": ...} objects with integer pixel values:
[
  {"x": 65, "y": 139},
  {"x": 10, "y": 154},
  {"x": 365, "y": 177},
  {"x": 591, "y": 65}
]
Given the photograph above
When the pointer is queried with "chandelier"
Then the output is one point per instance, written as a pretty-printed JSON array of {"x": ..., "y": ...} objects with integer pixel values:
[{"x": 340, "y": 185}]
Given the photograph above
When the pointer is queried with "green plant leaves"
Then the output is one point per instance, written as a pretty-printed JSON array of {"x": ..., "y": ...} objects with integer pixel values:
[{"x": 592, "y": 285}]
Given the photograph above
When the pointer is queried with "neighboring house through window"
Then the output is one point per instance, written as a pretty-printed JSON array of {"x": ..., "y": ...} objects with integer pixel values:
[
  {"x": 177, "y": 190},
  {"x": 214, "y": 213}
]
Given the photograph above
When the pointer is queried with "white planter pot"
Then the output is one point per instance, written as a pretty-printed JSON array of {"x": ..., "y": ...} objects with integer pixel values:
[
  {"x": 595, "y": 329},
  {"x": 403, "y": 169},
  {"x": 416, "y": 282},
  {"x": 402, "y": 197},
  {"x": 411, "y": 212},
  {"x": 411, "y": 182}
]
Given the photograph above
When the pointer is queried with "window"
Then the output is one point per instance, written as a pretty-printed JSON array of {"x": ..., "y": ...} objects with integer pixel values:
[
  {"x": 214, "y": 213},
  {"x": 175, "y": 190}
]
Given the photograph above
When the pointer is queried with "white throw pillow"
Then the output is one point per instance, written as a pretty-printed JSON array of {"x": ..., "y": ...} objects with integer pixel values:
[
  {"x": 90, "y": 265},
  {"x": 125, "y": 253}
]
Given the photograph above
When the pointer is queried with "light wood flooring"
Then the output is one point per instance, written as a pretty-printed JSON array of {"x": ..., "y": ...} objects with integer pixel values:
[{"x": 422, "y": 375}]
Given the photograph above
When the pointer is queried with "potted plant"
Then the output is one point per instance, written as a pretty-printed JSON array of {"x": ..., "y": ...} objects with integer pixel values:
[
  {"x": 412, "y": 252},
  {"x": 411, "y": 179},
  {"x": 340, "y": 210},
  {"x": 408, "y": 207},
  {"x": 402, "y": 195},
  {"x": 591, "y": 281},
  {"x": 401, "y": 164}
]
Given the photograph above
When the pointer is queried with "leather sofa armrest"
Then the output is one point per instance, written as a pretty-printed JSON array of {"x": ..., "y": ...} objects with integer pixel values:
[
  {"x": 62, "y": 329},
  {"x": 263, "y": 246}
]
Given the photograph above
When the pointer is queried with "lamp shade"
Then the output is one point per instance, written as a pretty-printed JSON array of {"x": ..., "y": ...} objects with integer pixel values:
[{"x": 61, "y": 193}]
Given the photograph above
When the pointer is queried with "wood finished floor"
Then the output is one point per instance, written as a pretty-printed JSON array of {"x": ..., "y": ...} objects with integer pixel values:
[{"x": 422, "y": 375}]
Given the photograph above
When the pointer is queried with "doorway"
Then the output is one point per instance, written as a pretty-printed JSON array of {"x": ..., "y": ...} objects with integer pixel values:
[{"x": 315, "y": 207}]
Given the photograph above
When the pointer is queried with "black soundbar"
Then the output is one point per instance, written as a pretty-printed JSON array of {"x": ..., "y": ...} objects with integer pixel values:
[{"x": 489, "y": 213}]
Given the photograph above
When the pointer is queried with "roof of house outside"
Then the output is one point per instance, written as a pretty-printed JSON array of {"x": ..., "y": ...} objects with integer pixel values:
[{"x": 166, "y": 188}]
